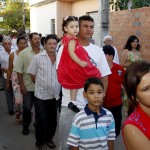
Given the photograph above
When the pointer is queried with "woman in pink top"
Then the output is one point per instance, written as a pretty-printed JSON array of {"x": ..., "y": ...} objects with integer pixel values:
[{"x": 136, "y": 129}]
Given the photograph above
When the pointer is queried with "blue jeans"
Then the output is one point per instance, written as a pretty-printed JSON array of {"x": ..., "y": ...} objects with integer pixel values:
[
  {"x": 8, "y": 94},
  {"x": 28, "y": 100},
  {"x": 46, "y": 120}
]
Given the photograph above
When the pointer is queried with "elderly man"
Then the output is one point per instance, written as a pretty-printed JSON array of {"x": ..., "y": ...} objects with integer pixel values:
[
  {"x": 26, "y": 85},
  {"x": 4, "y": 61},
  {"x": 108, "y": 41},
  {"x": 47, "y": 88},
  {"x": 99, "y": 59}
]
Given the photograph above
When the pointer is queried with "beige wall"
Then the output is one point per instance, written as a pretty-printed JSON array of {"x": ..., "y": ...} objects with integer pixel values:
[
  {"x": 63, "y": 9},
  {"x": 76, "y": 8},
  {"x": 80, "y": 8}
]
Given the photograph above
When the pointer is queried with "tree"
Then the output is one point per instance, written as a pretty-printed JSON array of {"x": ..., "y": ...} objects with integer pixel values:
[
  {"x": 122, "y": 4},
  {"x": 13, "y": 15}
]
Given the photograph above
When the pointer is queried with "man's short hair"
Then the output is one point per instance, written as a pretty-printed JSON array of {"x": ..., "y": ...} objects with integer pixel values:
[
  {"x": 31, "y": 35},
  {"x": 86, "y": 18},
  {"x": 51, "y": 36},
  {"x": 109, "y": 50},
  {"x": 107, "y": 37}
]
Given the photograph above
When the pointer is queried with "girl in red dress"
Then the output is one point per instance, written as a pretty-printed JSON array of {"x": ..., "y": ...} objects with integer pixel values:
[{"x": 75, "y": 65}]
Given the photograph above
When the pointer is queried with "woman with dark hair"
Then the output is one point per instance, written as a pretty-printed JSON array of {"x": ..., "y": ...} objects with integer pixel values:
[
  {"x": 136, "y": 129},
  {"x": 131, "y": 51},
  {"x": 22, "y": 44}
]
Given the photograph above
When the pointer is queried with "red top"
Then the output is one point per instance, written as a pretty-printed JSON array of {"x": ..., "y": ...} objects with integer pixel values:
[
  {"x": 70, "y": 74},
  {"x": 113, "y": 94},
  {"x": 139, "y": 119}
]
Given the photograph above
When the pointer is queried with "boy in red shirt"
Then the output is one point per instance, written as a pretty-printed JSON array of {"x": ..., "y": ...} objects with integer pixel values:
[{"x": 113, "y": 101}]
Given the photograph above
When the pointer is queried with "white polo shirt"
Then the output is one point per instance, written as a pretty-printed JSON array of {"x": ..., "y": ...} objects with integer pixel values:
[
  {"x": 99, "y": 58},
  {"x": 46, "y": 83}
]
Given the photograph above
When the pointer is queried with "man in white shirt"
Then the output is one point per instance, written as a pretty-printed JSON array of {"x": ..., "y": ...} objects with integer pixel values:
[
  {"x": 47, "y": 88},
  {"x": 108, "y": 41},
  {"x": 98, "y": 57},
  {"x": 4, "y": 61}
]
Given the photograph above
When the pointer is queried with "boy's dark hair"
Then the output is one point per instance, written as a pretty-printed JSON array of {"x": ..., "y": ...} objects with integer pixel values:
[
  {"x": 92, "y": 80},
  {"x": 51, "y": 36},
  {"x": 109, "y": 50},
  {"x": 21, "y": 38},
  {"x": 66, "y": 20}
]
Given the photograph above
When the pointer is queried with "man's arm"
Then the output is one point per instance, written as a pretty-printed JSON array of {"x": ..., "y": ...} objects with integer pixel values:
[
  {"x": 32, "y": 70},
  {"x": 105, "y": 82},
  {"x": 110, "y": 145},
  {"x": 4, "y": 70},
  {"x": 22, "y": 86},
  {"x": 33, "y": 77},
  {"x": 74, "y": 148},
  {"x": 9, "y": 72}
]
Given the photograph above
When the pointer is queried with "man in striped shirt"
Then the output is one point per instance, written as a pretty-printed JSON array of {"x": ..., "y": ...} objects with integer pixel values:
[
  {"x": 93, "y": 128},
  {"x": 47, "y": 88}
]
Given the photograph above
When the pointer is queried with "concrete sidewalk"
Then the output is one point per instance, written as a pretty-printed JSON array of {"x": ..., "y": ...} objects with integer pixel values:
[{"x": 11, "y": 137}]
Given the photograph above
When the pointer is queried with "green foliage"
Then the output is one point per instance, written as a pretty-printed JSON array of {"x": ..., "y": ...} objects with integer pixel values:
[
  {"x": 122, "y": 4},
  {"x": 13, "y": 15}
]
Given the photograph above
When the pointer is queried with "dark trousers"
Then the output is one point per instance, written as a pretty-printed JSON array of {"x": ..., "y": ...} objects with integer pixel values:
[
  {"x": 117, "y": 113},
  {"x": 28, "y": 100},
  {"x": 46, "y": 120},
  {"x": 8, "y": 94}
]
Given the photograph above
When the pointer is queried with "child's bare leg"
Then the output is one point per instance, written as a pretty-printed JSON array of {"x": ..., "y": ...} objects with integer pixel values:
[{"x": 73, "y": 95}]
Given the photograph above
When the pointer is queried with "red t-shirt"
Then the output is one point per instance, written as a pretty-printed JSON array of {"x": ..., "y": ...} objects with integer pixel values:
[{"x": 115, "y": 80}]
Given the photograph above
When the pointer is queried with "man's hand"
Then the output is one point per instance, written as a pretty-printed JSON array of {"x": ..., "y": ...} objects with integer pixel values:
[
  {"x": 7, "y": 86},
  {"x": 23, "y": 89}
]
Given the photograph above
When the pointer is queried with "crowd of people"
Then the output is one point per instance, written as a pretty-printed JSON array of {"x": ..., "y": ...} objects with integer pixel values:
[{"x": 84, "y": 81}]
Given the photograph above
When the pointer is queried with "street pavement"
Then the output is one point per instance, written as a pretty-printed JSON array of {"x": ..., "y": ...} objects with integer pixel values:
[{"x": 11, "y": 137}]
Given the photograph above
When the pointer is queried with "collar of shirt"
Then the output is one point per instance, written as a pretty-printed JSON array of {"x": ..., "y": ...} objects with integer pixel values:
[
  {"x": 96, "y": 116},
  {"x": 41, "y": 49},
  {"x": 90, "y": 112}
]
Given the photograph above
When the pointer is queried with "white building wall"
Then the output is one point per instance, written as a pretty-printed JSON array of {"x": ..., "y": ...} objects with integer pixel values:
[
  {"x": 41, "y": 18},
  {"x": 31, "y": 2}
]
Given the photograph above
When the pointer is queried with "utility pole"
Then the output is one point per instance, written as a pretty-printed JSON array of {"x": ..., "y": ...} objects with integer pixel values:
[{"x": 103, "y": 21}]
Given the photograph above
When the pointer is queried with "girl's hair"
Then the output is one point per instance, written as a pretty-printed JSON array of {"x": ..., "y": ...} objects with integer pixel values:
[
  {"x": 66, "y": 20},
  {"x": 133, "y": 76},
  {"x": 21, "y": 38},
  {"x": 129, "y": 41}
]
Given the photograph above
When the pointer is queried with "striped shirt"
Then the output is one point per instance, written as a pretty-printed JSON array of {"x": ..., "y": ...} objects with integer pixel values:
[
  {"x": 91, "y": 131},
  {"x": 46, "y": 83}
]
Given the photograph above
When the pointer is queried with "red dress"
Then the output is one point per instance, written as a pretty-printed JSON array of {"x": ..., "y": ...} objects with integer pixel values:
[{"x": 70, "y": 74}]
